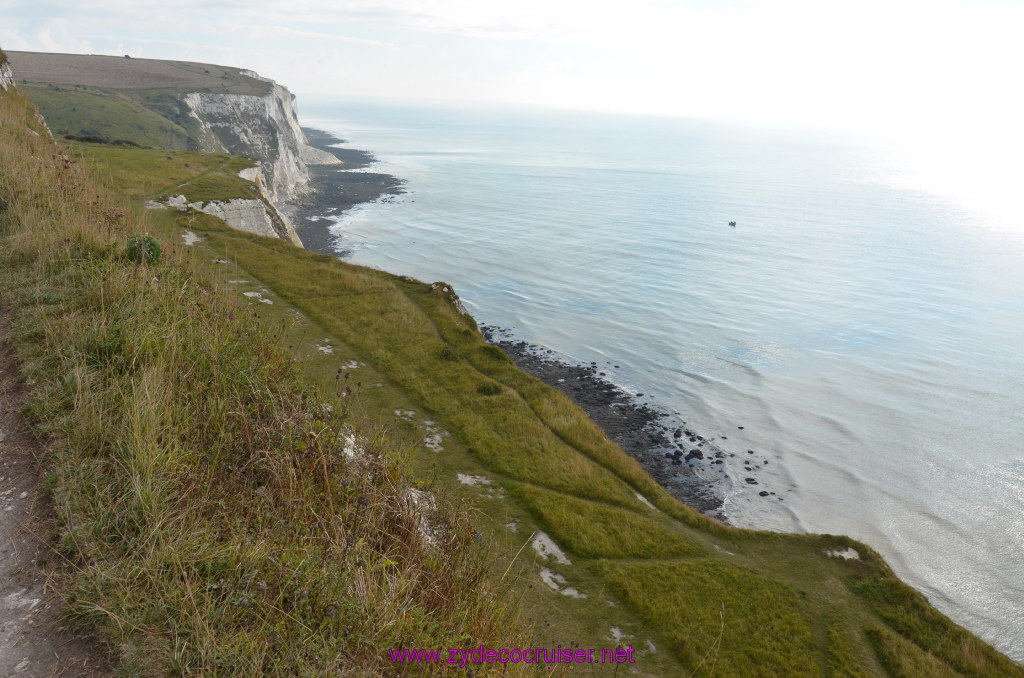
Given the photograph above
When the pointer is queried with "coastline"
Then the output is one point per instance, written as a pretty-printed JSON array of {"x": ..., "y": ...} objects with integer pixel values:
[
  {"x": 336, "y": 189},
  {"x": 676, "y": 457},
  {"x": 687, "y": 463},
  {"x": 713, "y": 484}
]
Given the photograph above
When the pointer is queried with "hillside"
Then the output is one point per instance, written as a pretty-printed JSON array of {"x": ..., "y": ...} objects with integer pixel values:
[
  {"x": 269, "y": 462},
  {"x": 173, "y": 105}
]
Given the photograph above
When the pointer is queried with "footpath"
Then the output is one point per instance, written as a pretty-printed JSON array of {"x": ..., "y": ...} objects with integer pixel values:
[{"x": 35, "y": 641}]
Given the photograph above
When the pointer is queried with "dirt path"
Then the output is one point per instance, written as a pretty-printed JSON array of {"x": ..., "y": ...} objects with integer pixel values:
[{"x": 34, "y": 640}]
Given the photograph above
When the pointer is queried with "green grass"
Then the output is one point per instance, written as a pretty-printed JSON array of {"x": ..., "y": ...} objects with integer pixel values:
[
  {"x": 83, "y": 111},
  {"x": 902, "y": 658},
  {"x": 596, "y": 530},
  {"x": 148, "y": 116},
  {"x": 154, "y": 173},
  {"x": 723, "y": 616},
  {"x": 217, "y": 518},
  {"x": 198, "y": 462}
]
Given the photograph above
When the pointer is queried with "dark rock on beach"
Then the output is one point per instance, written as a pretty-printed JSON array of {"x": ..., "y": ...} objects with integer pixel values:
[
  {"x": 336, "y": 189},
  {"x": 635, "y": 426}
]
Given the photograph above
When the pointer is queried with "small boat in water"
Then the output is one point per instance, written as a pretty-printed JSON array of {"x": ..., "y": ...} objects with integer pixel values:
[{"x": 733, "y": 224}]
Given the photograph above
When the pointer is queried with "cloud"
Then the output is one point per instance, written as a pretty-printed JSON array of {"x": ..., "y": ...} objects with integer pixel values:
[
  {"x": 278, "y": 32},
  {"x": 868, "y": 63}
]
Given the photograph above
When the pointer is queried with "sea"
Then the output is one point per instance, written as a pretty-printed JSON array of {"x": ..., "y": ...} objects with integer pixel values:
[{"x": 860, "y": 326}]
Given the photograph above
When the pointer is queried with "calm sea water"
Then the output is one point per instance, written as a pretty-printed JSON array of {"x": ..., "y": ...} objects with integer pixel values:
[{"x": 867, "y": 337}]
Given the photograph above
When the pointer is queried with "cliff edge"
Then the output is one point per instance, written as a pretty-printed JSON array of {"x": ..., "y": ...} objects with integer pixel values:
[
  {"x": 6, "y": 76},
  {"x": 175, "y": 104},
  {"x": 265, "y": 128}
]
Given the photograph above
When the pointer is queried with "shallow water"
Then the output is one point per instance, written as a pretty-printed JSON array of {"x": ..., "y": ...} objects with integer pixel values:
[{"x": 865, "y": 336}]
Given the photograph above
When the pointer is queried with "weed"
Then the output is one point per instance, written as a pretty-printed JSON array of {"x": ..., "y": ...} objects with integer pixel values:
[{"x": 142, "y": 248}]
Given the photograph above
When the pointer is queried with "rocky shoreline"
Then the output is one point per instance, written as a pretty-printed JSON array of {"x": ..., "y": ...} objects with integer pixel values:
[
  {"x": 677, "y": 457},
  {"x": 689, "y": 465},
  {"x": 336, "y": 189}
]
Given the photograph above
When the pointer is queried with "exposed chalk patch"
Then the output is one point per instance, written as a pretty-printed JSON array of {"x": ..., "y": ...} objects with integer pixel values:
[
  {"x": 558, "y": 583},
  {"x": 258, "y": 296},
  {"x": 547, "y": 548},
  {"x": 472, "y": 481},
  {"x": 190, "y": 238},
  {"x": 351, "y": 448},
  {"x": 424, "y": 506},
  {"x": 16, "y": 600},
  {"x": 618, "y": 635},
  {"x": 554, "y": 580},
  {"x": 848, "y": 554},
  {"x": 644, "y": 501}
]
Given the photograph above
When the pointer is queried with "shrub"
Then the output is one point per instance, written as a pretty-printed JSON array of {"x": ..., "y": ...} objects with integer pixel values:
[
  {"x": 143, "y": 248},
  {"x": 488, "y": 388},
  {"x": 449, "y": 352}
]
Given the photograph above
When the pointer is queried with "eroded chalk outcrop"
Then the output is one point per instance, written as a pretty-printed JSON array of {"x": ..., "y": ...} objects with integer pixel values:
[
  {"x": 265, "y": 128},
  {"x": 245, "y": 214},
  {"x": 6, "y": 76}
]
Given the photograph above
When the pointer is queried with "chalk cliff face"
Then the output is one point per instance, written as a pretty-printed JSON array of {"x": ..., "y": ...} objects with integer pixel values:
[
  {"x": 6, "y": 77},
  {"x": 220, "y": 109},
  {"x": 257, "y": 216},
  {"x": 262, "y": 127},
  {"x": 244, "y": 214}
]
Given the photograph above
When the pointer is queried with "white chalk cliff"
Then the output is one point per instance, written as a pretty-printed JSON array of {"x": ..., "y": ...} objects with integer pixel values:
[
  {"x": 245, "y": 214},
  {"x": 265, "y": 128},
  {"x": 6, "y": 77}
]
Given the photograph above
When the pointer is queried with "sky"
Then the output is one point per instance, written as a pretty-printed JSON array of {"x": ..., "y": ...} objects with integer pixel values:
[
  {"x": 864, "y": 64},
  {"x": 940, "y": 76}
]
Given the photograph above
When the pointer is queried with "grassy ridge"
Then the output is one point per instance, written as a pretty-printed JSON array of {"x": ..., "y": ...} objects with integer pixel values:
[
  {"x": 223, "y": 517},
  {"x": 712, "y": 600}
]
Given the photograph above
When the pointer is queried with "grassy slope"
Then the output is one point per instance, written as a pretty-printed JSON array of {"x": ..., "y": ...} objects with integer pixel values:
[
  {"x": 217, "y": 517},
  {"x": 712, "y": 600},
  {"x": 75, "y": 111},
  {"x": 83, "y": 101},
  {"x": 786, "y": 609}
]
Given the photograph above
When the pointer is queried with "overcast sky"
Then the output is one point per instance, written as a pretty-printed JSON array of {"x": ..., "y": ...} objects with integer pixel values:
[{"x": 863, "y": 63}]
